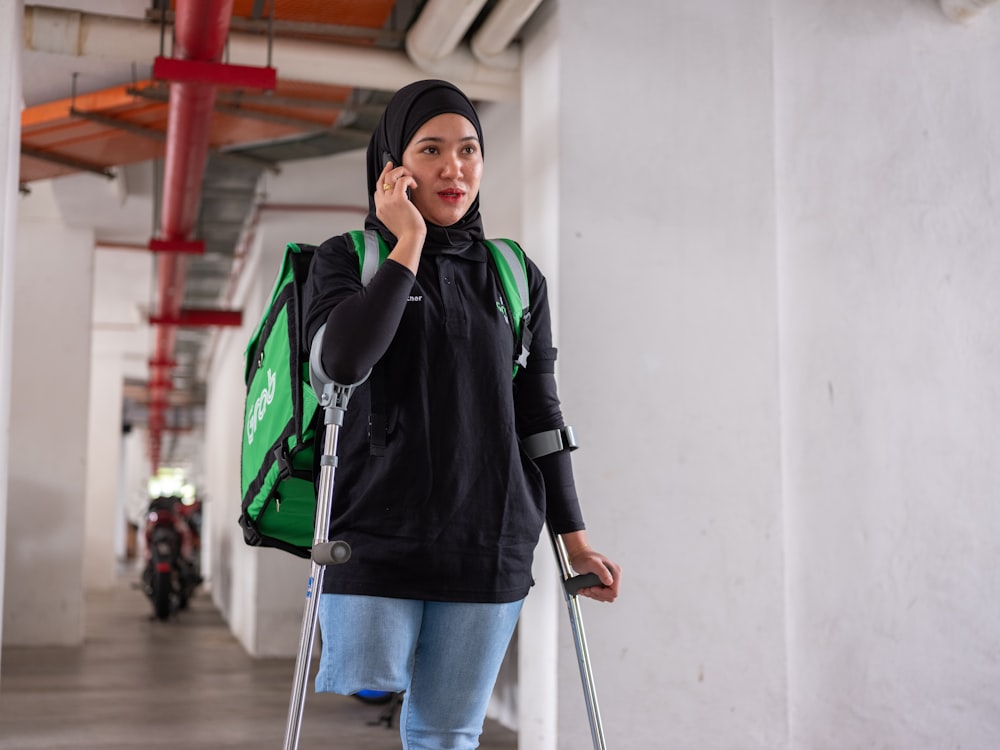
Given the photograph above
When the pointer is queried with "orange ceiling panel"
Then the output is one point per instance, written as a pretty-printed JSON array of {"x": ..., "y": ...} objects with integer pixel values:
[
  {"x": 115, "y": 96},
  {"x": 232, "y": 130},
  {"x": 53, "y": 129},
  {"x": 370, "y": 14},
  {"x": 295, "y": 107}
]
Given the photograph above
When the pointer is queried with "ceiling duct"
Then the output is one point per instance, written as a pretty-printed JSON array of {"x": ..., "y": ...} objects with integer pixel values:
[
  {"x": 434, "y": 42},
  {"x": 68, "y": 32}
]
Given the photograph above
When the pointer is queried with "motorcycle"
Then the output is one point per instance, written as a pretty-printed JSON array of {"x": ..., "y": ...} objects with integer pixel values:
[{"x": 172, "y": 571}]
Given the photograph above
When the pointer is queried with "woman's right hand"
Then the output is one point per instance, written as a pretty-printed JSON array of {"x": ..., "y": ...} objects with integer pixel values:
[
  {"x": 393, "y": 206},
  {"x": 394, "y": 209}
]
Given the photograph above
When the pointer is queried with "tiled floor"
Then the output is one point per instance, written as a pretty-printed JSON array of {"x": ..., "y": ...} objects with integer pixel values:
[{"x": 141, "y": 684}]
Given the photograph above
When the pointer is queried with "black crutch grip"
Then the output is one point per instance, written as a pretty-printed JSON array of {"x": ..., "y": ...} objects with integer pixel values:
[
  {"x": 331, "y": 553},
  {"x": 576, "y": 583}
]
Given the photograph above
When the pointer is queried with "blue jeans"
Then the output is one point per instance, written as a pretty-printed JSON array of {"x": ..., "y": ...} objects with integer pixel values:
[{"x": 444, "y": 655}]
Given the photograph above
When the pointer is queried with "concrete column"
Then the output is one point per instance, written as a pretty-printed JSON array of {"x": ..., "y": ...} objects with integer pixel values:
[
  {"x": 121, "y": 509},
  {"x": 538, "y": 630},
  {"x": 10, "y": 135},
  {"x": 122, "y": 283},
  {"x": 135, "y": 484},
  {"x": 122, "y": 344},
  {"x": 104, "y": 449},
  {"x": 50, "y": 391}
]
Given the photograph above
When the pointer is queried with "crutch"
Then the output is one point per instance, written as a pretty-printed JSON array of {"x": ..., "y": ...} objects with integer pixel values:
[
  {"x": 536, "y": 446},
  {"x": 571, "y": 585},
  {"x": 333, "y": 398}
]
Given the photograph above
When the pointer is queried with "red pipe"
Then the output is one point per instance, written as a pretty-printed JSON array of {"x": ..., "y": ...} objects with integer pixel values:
[
  {"x": 200, "y": 29},
  {"x": 196, "y": 317}
]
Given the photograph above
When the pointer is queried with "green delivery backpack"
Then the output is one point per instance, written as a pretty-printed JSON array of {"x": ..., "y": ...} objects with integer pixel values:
[{"x": 279, "y": 425}]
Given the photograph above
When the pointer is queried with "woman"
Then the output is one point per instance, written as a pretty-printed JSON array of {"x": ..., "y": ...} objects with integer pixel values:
[{"x": 441, "y": 507}]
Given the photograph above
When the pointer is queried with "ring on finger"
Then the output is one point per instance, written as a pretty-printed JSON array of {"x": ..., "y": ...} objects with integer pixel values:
[{"x": 387, "y": 186}]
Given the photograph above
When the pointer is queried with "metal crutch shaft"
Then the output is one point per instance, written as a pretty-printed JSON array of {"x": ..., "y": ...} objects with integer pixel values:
[
  {"x": 333, "y": 399},
  {"x": 571, "y": 585}
]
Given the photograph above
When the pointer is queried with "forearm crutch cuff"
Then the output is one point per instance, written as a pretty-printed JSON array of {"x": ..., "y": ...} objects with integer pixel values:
[{"x": 551, "y": 441}]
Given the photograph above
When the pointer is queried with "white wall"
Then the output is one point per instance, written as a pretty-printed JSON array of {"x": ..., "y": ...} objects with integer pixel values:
[
  {"x": 669, "y": 367},
  {"x": 779, "y": 331},
  {"x": 887, "y": 162}
]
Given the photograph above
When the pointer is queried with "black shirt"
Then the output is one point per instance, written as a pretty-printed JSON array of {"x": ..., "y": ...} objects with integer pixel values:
[{"x": 453, "y": 509}]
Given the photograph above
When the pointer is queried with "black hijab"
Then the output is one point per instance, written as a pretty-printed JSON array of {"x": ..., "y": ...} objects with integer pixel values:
[{"x": 406, "y": 112}]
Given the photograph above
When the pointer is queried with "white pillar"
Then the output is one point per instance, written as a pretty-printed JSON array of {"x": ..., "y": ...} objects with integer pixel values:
[
  {"x": 10, "y": 136},
  {"x": 104, "y": 449},
  {"x": 538, "y": 631},
  {"x": 121, "y": 509},
  {"x": 136, "y": 471},
  {"x": 118, "y": 465},
  {"x": 50, "y": 391}
]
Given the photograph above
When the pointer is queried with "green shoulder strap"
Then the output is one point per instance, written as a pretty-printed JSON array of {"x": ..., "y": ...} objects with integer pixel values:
[
  {"x": 372, "y": 252},
  {"x": 508, "y": 257}
]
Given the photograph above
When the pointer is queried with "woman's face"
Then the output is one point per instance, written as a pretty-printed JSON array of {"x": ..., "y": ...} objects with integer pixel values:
[{"x": 445, "y": 160}]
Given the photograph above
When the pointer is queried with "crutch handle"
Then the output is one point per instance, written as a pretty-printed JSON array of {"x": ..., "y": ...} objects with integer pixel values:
[
  {"x": 331, "y": 553},
  {"x": 574, "y": 584}
]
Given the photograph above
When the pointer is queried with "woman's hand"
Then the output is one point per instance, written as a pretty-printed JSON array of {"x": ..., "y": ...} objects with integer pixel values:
[
  {"x": 585, "y": 560},
  {"x": 392, "y": 205},
  {"x": 400, "y": 216},
  {"x": 607, "y": 570}
]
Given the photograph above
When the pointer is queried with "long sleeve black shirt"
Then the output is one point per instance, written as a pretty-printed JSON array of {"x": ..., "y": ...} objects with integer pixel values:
[{"x": 453, "y": 509}]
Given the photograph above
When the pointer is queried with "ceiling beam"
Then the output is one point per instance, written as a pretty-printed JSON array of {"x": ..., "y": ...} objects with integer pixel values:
[{"x": 118, "y": 123}]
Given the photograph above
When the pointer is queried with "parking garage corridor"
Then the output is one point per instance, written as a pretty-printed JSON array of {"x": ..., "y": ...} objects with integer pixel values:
[{"x": 137, "y": 682}]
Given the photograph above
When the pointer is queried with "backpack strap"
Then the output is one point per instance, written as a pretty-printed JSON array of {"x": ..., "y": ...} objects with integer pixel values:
[
  {"x": 508, "y": 259},
  {"x": 371, "y": 251}
]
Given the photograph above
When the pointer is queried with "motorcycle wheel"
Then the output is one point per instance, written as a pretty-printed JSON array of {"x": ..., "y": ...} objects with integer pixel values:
[{"x": 161, "y": 594}]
